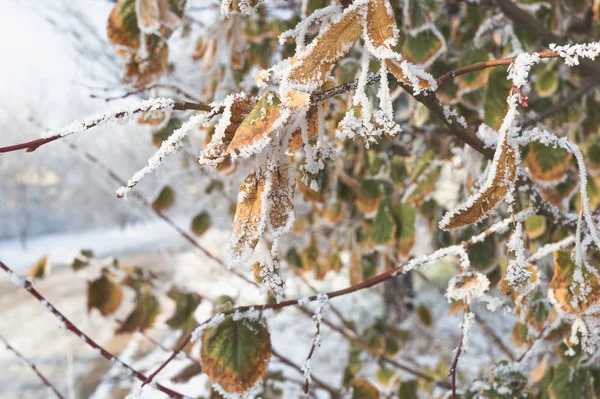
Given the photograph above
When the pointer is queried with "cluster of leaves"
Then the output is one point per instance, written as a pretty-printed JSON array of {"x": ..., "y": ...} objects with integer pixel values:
[{"x": 353, "y": 189}]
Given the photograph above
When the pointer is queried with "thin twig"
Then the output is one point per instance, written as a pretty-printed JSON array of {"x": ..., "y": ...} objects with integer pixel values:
[
  {"x": 67, "y": 324},
  {"x": 452, "y": 372},
  {"x": 33, "y": 145},
  {"x": 33, "y": 367},
  {"x": 479, "y": 66}
]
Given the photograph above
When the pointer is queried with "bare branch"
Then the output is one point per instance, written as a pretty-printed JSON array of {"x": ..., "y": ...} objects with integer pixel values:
[
  {"x": 33, "y": 367},
  {"x": 75, "y": 330}
]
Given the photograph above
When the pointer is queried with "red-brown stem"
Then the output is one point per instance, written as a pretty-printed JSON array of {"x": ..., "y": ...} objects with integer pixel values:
[
  {"x": 35, "y": 144},
  {"x": 311, "y": 352},
  {"x": 452, "y": 371},
  {"x": 33, "y": 367},
  {"x": 71, "y": 327},
  {"x": 479, "y": 66}
]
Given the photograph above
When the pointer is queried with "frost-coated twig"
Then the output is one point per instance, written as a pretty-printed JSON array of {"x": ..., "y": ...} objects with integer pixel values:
[
  {"x": 318, "y": 317},
  {"x": 67, "y": 324},
  {"x": 148, "y": 106},
  {"x": 32, "y": 366},
  {"x": 452, "y": 371}
]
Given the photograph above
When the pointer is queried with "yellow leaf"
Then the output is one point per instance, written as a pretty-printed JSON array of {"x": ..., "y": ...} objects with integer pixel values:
[
  {"x": 571, "y": 295},
  {"x": 309, "y": 68},
  {"x": 479, "y": 205},
  {"x": 40, "y": 269},
  {"x": 122, "y": 27},
  {"x": 248, "y": 223},
  {"x": 382, "y": 31}
]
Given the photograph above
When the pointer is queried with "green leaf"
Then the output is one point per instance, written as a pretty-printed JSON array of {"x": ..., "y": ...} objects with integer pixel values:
[
  {"x": 535, "y": 226},
  {"x": 384, "y": 228},
  {"x": 419, "y": 12},
  {"x": 385, "y": 376},
  {"x": 546, "y": 163},
  {"x": 143, "y": 315},
  {"x": 475, "y": 79},
  {"x": 424, "y": 315},
  {"x": 165, "y": 199},
  {"x": 236, "y": 354},
  {"x": 201, "y": 223},
  {"x": 421, "y": 47},
  {"x": 406, "y": 215},
  {"x": 408, "y": 389},
  {"x": 496, "y": 93},
  {"x": 570, "y": 382},
  {"x": 363, "y": 389},
  {"x": 185, "y": 305},
  {"x": 104, "y": 295},
  {"x": 547, "y": 82}
]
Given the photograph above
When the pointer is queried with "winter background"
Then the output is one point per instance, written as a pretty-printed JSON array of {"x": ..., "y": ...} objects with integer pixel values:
[{"x": 55, "y": 202}]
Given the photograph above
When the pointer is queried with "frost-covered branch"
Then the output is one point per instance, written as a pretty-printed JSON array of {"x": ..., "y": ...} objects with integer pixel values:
[
  {"x": 68, "y": 325},
  {"x": 323, "y": 303},
  {"x": 147, "y": 107},
  {"x": 28, "y": 363}
]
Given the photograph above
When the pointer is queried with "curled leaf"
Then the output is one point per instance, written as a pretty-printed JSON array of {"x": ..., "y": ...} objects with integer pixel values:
[{"x": 501, "y": 176}]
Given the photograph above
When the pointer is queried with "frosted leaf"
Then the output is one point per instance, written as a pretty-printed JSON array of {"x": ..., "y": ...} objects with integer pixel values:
[
  {"x": 467, "y": 286},
  {"x": 517, "y": 275}
]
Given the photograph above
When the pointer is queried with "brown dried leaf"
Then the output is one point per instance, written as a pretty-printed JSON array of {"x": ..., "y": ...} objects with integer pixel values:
[
  {"x": 382, "y": 30},
  {"x": 140, "y": 73},
  {"x": 395, "y": 68},
  {"x": 216, "y": 149},
  {"x": 249, "y": 220},
  {"x": 479, "y": 205},
  {"x": 258, "y": 124},
  {"x": 104, "y": 295},
  {"x": 310, "y": 67},
  {"x": 280, "y": 211}
]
